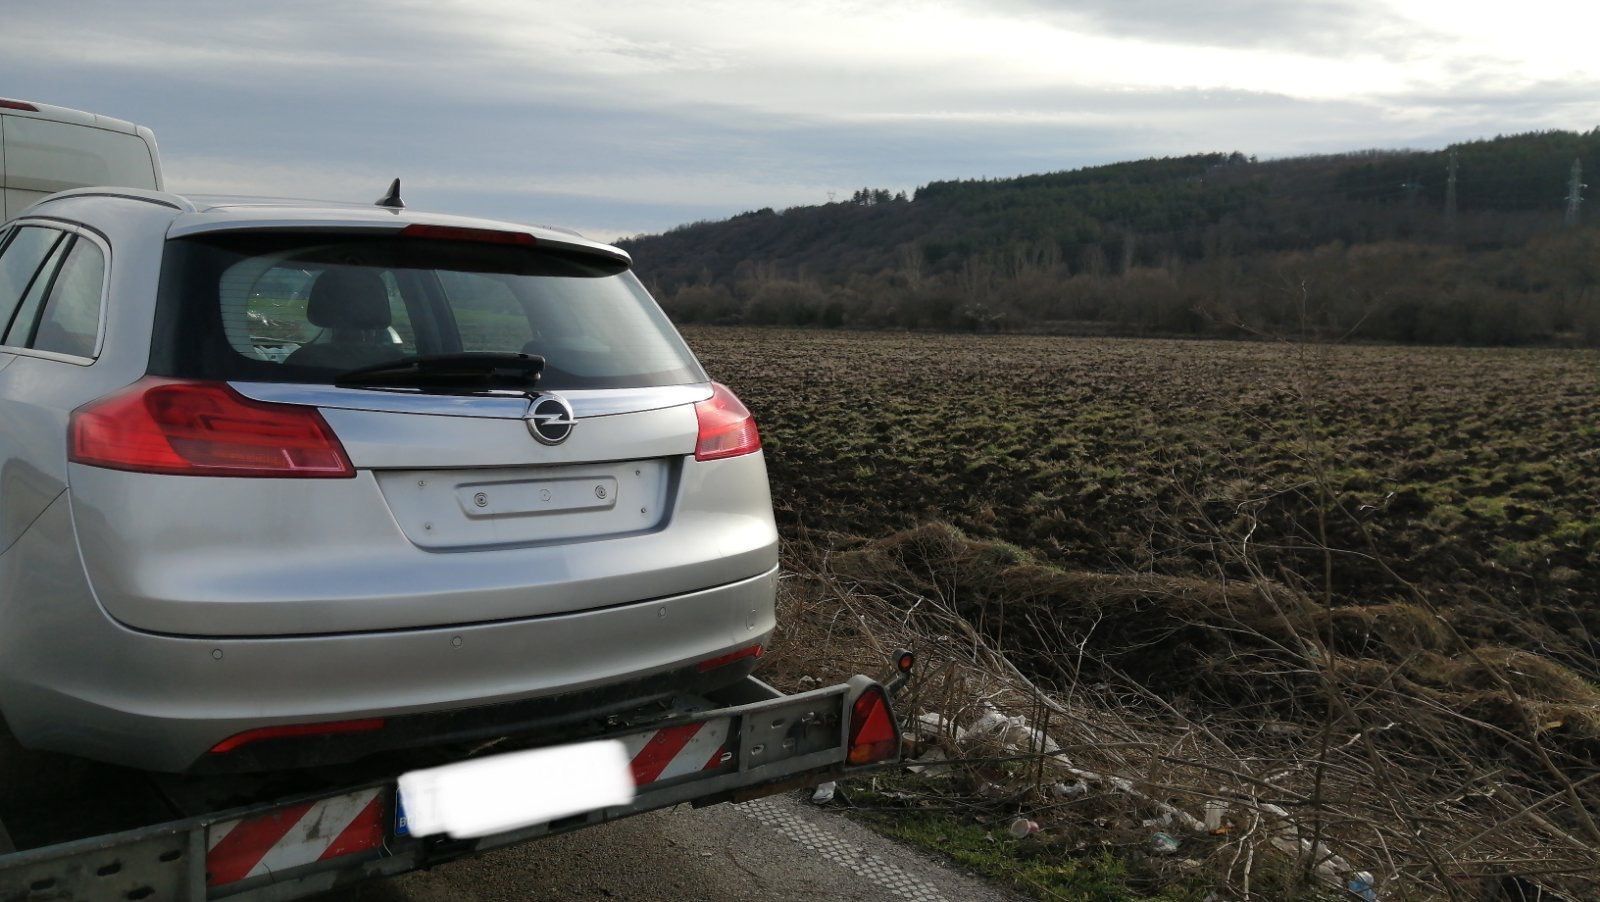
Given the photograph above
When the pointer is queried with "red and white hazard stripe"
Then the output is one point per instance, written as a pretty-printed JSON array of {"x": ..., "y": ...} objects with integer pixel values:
[
  {"x": 676, "y": 751},
  {"x": 294, "y": 835},
  {"x": 309, "y": 832}
]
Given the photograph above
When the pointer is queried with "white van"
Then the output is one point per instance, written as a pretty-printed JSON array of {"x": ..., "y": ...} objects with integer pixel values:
[{"x": 45, "y": 149}]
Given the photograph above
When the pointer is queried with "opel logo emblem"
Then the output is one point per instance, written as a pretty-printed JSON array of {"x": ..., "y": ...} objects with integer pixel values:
[{"x": 551, "y": 420}]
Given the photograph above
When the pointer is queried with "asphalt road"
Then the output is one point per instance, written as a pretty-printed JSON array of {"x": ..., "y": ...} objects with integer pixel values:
[{"x": 771, "y": 849}]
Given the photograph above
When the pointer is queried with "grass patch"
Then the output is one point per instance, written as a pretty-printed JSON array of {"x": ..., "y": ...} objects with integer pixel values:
[{"x": 1027, "y": 866}]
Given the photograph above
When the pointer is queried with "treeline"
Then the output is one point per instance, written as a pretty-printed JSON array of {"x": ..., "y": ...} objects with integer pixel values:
[{"x": 1375, "y": 245}]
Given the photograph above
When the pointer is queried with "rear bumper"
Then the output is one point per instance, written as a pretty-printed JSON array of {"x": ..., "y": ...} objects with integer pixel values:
[{"x": 74, "y": 680}]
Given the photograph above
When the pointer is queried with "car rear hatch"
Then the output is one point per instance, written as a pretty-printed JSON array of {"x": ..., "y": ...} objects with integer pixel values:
[
  {"x": 552, "y": 472},
  {"x": 471, "y": 476}
]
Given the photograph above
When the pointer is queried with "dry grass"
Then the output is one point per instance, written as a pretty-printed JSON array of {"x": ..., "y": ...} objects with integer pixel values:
[{"x": 1334, "y": 740}]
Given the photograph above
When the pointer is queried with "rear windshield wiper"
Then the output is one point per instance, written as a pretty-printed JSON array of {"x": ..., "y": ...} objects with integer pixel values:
[{"x": 481, "y": 371}]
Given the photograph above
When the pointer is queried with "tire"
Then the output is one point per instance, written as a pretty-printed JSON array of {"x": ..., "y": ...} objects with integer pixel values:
[{"x": 10, "y": 770}]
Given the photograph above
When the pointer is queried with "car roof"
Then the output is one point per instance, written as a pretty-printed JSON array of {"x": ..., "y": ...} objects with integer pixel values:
[{"x": 199, "y": 214}]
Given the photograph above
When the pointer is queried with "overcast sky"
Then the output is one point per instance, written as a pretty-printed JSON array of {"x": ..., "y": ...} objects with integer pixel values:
[{"x": 625, "y": 116}]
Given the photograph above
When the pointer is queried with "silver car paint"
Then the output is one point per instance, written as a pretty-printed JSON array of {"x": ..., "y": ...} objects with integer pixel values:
[
  {"x": 324, "y": 556},
  {"x": 143, "y": 618},
  {"x": 75, "y": 680}
]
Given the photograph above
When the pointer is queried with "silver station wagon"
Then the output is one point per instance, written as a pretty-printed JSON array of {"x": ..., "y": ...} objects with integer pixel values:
[{"x": 284, "y": 483}]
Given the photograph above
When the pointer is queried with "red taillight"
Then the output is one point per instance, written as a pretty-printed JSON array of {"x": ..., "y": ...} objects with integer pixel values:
[
  {"x": 17, "y": 105},
  {"x": 726, "y": 428},
  {"x": 455, "y": 233},
  {"x": 296, "y": 731},
  {"x": 873, "y": 736},
  {"x": 753, "y": 651},
  {"x": 204, "y": 429}
]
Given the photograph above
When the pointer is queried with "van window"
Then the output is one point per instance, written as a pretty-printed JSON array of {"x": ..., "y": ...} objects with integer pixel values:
[
  {"x": 20, "y": 261},
  {"x": 41, "y": 155},
  {"x": 71, "y": 321}
]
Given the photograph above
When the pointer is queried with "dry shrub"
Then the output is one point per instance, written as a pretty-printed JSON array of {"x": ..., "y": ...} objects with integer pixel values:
[
  {"x": 1154, "y": 627},
  {"x": 1391, "y": 631},
  {"x": 1361, "y": 737},
  {"x": 1233, "y": 643}
]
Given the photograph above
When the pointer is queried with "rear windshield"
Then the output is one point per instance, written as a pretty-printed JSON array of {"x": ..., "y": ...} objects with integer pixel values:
[{"x": 274, "y": 307}]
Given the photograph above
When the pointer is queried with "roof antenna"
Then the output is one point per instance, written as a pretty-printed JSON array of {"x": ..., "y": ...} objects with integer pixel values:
[{"x": 391, "y": 200}]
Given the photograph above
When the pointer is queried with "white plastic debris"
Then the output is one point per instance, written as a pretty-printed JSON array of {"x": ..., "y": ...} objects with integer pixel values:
[
  {"x": 989, "y": 723},
  {"x": 1330, "y": 864},
  {"x": 1074, "y": 790},
  {"x": 1215, "y": 809},
  {"x": 931, "y": 763},
  {"x": 1014, "y": 733},
  {"x": 1022, "y": 828},
  {"x": 823, "y": 795},
  {"x": 935, "y": 724},
  {"x": 1163, "y": 844}
]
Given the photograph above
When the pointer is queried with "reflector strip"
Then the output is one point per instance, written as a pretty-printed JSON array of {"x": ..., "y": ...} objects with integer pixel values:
[
  {"x": 750, "y": 651},
  {"x": 293, "y": 836},
  {"x": 676, "y": 751}
]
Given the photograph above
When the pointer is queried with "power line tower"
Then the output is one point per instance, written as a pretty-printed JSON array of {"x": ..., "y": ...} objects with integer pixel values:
[
  {"x": 1575, "y": 192},
  {"x": 1450, "y": 192}
]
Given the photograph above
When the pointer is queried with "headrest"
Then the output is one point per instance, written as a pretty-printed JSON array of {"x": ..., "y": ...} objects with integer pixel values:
[{"x": 348, "y": 297}]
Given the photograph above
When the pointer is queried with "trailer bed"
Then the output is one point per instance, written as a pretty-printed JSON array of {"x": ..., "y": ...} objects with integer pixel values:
[{"x": 290, "y": 835}]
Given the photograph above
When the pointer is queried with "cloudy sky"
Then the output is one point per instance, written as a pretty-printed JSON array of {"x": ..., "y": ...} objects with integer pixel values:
[{"x": 626, "y": 116}]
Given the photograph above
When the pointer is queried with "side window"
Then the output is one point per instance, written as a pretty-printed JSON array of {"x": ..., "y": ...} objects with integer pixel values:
[
  {"x": 19, "y": 263},
  {"x": 27, "y": 313},
  {"x": 487, "y": 314},
  {"x": 71, "y": 320}
]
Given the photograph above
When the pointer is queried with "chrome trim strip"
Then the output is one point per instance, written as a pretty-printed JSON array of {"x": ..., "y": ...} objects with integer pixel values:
[
  {"x": 605, "y": 402},
  {"x": 586, "y": 403},
  {"x": 492, "y": 406}
]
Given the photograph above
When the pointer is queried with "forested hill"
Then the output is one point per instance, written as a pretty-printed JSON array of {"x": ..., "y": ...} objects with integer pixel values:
[{"x": 1381, "y": 244}]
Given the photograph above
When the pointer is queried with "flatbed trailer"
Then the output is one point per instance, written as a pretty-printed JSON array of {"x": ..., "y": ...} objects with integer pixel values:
[{"x": 292, "y": 835}]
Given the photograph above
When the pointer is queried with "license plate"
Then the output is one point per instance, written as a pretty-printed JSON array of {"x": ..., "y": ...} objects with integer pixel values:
[
  {"x": 401, "y": 828},
  {"x": 485, "y": 796},
  {"x": 652, "y": 756}
]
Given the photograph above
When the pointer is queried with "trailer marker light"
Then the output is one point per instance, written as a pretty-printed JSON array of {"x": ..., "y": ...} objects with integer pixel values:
[
  {"x": 873, "y": 735},
  {"x": 17, "y": 105}
]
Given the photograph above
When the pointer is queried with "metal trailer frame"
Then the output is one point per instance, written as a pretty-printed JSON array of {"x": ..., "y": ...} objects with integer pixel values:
[{"x": 783, "y": 742}]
